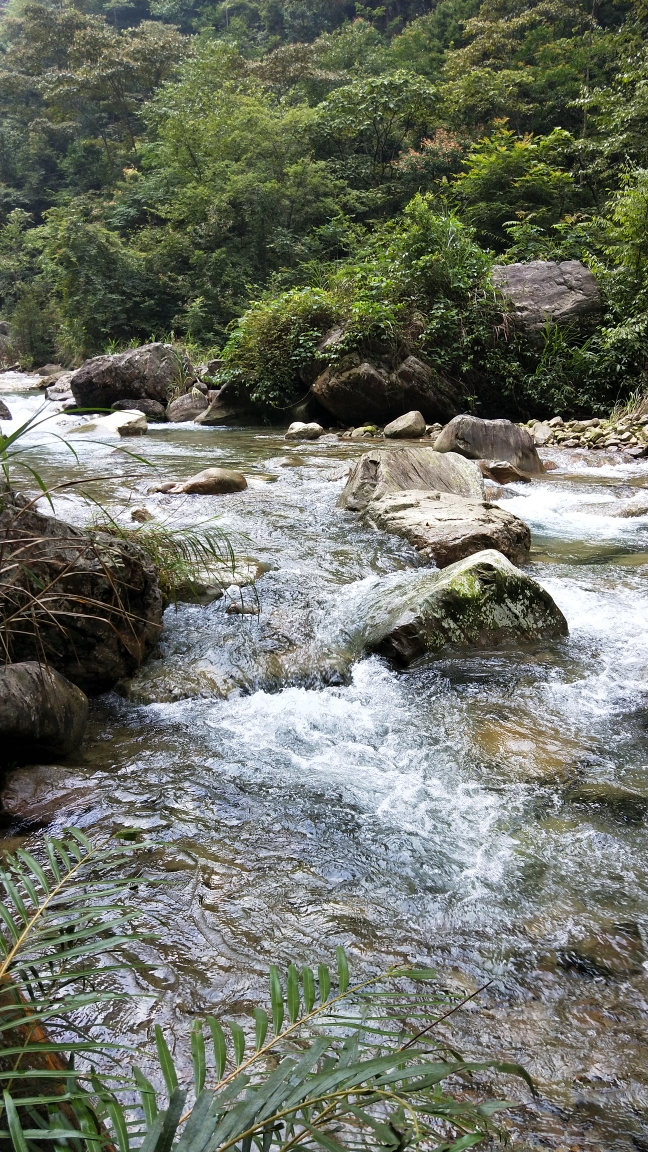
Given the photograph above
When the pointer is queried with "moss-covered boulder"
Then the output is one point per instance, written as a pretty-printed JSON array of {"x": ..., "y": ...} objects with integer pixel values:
[{"x": 481, "y": 602}]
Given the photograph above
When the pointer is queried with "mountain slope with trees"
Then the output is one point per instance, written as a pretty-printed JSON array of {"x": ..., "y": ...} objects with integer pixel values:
[{"x": 246, "y": 175}]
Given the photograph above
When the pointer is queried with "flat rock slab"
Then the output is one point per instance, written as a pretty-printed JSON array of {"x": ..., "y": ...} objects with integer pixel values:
[
  {"x": 386, "y": 470},
  {"x": 130, "y": 423},
  {"x": 446, "y": 528},
  {"x": 481, "y": 602}
]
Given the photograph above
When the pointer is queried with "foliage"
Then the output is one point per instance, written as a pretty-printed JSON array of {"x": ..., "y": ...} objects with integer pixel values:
[
  {"x": 352, "y": 1066},
  {"x": 274, "y": 345},
  {"x": 184, "y": 558},
  {"x": 166, "y": 163}
]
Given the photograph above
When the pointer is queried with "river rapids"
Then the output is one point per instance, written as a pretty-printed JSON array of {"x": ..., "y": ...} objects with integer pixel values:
[{"x": 482, "y": 812}]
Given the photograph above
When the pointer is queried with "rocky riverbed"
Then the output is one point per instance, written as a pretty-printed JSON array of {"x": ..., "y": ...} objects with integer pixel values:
[{"x": 483, "y": 811}]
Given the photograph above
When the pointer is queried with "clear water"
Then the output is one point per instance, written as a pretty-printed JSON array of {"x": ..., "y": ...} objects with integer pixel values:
[{"x": 441, "y": 813}]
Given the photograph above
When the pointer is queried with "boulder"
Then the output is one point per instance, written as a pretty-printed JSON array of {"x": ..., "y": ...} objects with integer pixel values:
[
  {"x": 146, "y": 372},
  {"x": 386, "y": 470},
  {"x": 209, "y": 482},
  {"x": 446, "y": 528},
  {"x": 543, "y": 291},
  {"x": 410, "y": 426},
  {"x": 154, "y": 411},
  {"x": 501, "y": 472},
  {"x": 490, "y": 440},
  {"x": 300, "y": 431},
  {"x": 481, "y": 602},
  {"x": 42, "y": 715},
  {"x": 132, "y": 423},
  {"x": 5, "y": 414},
  {"x": 187, "y": 407},
  {"x": 60, "y": 387},
  {"x": 357, "y": 391},
  {"x": 88, "y": 604},
  {"x": 541, "y": 433}
]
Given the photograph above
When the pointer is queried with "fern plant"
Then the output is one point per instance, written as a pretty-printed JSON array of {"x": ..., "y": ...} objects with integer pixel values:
[{"x": 329, "y": 1065}]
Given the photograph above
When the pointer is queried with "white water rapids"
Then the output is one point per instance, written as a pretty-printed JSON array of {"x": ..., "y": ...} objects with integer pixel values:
[{"x": 441, "y": 813}]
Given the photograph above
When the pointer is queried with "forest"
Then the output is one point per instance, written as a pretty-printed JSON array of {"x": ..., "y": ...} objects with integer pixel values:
[{"x": 242, "y": 176}]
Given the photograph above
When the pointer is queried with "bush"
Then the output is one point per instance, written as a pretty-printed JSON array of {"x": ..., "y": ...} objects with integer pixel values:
[{"x": 272, "y": 349}]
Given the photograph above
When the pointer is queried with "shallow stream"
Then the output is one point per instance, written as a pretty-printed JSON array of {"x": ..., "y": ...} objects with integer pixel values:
[{"x": 484, "y": 811}]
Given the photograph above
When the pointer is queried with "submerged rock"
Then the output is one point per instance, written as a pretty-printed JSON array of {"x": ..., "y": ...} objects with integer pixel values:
[
  {"x": 148, "y": 371},
  {"x": 386, "y": 470},
  {"x": 446, "y": 528},
  {"x": 481, "y": 602},
  {"x": 131, "y": 423},
  {"x": 42, "y": 715},
  {"x": 209, "y": 482},
  {"x": 90, "y": 604},
  {"x": 411, "y": 425},
  {"x": 614, "y": 950},
  {"x": 499, "y": 440}
]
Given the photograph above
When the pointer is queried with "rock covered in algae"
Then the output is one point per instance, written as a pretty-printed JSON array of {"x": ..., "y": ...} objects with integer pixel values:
[{"x": 481, "y": 602}]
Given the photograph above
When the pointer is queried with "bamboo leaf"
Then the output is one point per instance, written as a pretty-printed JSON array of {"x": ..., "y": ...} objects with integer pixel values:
[
  {"x": 324, "y": 978},
  {"x": 292, "y": 993},
  {"x": 147, "y": 1096},
  {"x": 15, "y": 1128},
  {"x": 308, "y": 983},
  {"x": 198, "y": 1056},
  {"x": 220, "y": 1047},
  {"x": 120, "y": 1128},
  {"x": 166, "y": 1061},
  {"x": 238, "y": 1039},
  {"x": 276, "y": 999},
  {"x": 343, "y": 970},
  {"x": 261, "y": 1026}
]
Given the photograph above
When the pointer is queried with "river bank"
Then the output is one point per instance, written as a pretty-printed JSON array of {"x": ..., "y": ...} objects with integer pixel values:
[{"x": 469, "y": 811}]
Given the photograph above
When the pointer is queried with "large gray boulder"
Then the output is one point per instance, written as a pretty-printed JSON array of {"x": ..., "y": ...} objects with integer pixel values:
[
  {"x": 89, "y": 604},
  {"x": 187, "y": 407},
  {"x": 446, "y": 528},
  {"x": 481, "y": 602},
  {"x": 543, "y": 291},
  {"x": 146, "y": 372},
  {"x": 415, "y": 466},
  {"x": 42, "y": 715},
  {"x": 357, "y": 391},
  {"x": 496, "y": 440}
]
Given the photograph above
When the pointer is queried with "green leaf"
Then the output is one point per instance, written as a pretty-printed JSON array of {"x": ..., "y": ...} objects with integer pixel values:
[
  {"x": 292, "y": 993},
  {"x": 220, "y": 1047},
  {"x": 261, "y": 1026},
  {"x": 324, "y": 978},
  {"x": 238, "y": 1039},
  {"x": 276, "y": 999},
  {"x": 17, "y": 1135},
  {"x": 147, "y": 1096},
  {"x": 308, "y": 982},
  {"x": 120, "y": 1128},
  {"x": 343, "y": 969},
  {"x": 198, "y": 1056},
  {"x": 166, "y": 1061}
]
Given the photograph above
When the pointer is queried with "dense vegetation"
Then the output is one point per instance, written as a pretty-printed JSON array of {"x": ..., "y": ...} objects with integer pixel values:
[{"x": 246, "y": 174}]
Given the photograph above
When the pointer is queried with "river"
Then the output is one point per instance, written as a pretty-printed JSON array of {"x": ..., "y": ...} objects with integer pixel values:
[{"x": 483, "y": 812}]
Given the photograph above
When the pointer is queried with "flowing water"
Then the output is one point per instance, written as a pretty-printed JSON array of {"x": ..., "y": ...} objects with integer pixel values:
[{"x": 482, "y": 811}]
